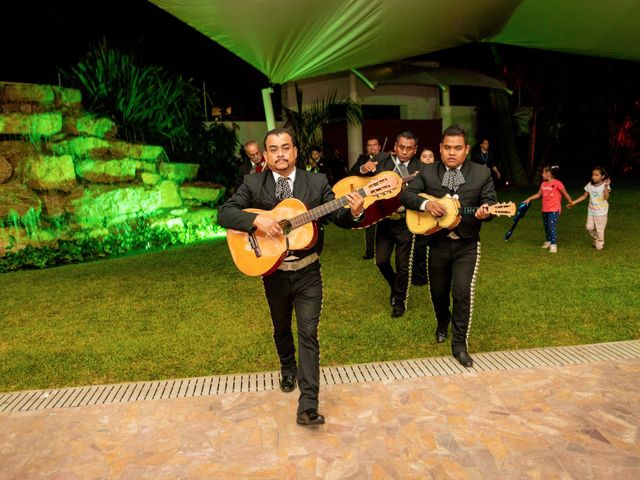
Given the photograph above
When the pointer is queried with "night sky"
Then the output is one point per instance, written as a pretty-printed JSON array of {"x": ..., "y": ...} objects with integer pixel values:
[{"x": 37, "y": 37}]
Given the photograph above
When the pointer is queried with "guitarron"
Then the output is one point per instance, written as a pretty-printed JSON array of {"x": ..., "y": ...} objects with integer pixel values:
[{"x": 376, "y": 209}]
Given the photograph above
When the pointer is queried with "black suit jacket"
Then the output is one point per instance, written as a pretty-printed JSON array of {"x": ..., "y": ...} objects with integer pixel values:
[
  {"x": 361, "y": 160},
  {"x": 258, "y": 191},
  {"x": 477, "y": 190},
  {"x": 476, "y": 156}
]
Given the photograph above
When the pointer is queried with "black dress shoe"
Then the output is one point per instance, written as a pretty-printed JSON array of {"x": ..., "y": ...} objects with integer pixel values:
[
  {"x": 287, "y": 383},
  {"x": 310, "y": 417},
  {"x": 419, "y": 282},
  {"x": 441, "y": 336},
  {"x": 398, "y": 310},
  {"x": 367, "y": 257},
  {"x": 464, "y": 359}
]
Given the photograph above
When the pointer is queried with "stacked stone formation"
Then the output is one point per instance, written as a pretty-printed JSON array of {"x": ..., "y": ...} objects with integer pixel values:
[{"x": 62, "y": 166}]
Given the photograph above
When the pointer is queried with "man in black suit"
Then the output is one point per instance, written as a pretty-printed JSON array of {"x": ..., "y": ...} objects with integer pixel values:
[
  {"x": 373, "y": 149},
  {"x": 297, "y": 283},
  {"x": 482, "y": 155},
  {"x": 454, "y": 254},
  {"x": 392, "y": 232}
]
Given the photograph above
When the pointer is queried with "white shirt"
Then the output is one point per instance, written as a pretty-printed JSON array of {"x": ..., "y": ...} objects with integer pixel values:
[{"x": 598, "y": 206}]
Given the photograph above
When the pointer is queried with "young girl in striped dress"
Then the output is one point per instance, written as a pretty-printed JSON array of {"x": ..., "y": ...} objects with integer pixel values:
[{"x": 598, "y": 191}]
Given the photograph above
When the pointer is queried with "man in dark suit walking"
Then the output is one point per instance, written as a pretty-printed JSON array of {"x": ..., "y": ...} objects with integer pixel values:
[
  {"x": 392, "y": 232},
  {"x": 482, "y": 155},
  {"x": 297, "y": 283},
  {"x": 373, "y": 149},
  {"x": 454, "y": 255}
]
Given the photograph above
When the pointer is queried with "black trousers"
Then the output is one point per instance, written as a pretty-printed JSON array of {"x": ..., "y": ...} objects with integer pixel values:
[
  {"x": 390, "y": 235},
  {"x": 370, "y": 241},
  {"x": 419, "y": 264},
  {"x": 453, "y": 266},
  {"x": 302, "y": 291}
]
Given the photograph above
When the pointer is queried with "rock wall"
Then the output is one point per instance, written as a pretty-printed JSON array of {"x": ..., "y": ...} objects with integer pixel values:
[{"x": 65, "y": 175}]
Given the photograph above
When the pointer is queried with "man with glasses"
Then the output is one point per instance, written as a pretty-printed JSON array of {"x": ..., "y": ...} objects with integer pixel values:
[
  {"x": 392, "y": 232},
  {"x": 256, "y": 158}
]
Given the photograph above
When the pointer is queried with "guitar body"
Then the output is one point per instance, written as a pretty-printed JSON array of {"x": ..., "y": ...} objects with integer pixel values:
[
  {"x": 376, "y": 208},
  {"x": 379, "y": 211},
  {"x": 452, "y": 218},
  {"x": 254, "y": 253},
  {"x": 422, "y": 223},
  {"x": 271, "y": 250}
]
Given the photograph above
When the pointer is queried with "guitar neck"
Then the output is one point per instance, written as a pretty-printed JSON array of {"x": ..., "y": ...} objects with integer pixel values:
[
  {"x": 319, "y": 212},
  {"x": 498, "y": 209}
]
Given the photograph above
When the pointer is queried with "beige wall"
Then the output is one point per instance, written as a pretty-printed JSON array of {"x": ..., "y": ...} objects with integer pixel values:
[
  {"x": 415, "y": 102},
  {"x": 253, "y": 131}
]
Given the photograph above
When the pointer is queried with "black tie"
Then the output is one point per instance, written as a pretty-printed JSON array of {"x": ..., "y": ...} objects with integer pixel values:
[
  {"x": 452, "y": 179},
  {"x": 283, "y": 189},
  {"x": 402, "y": 168}
]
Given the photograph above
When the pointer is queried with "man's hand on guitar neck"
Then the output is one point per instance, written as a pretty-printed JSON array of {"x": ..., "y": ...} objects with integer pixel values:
[
  {"x": 483, "y": 212},
  {"x": 267, "y": 225},
  {"x": 356, "y": 203}
]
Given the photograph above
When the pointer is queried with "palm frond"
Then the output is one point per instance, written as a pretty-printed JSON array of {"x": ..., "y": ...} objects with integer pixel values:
[{"x": 306, "y": 124}]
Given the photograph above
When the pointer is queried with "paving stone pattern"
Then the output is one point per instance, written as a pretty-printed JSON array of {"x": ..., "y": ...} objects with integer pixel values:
[{"x": 572, "y": 421}]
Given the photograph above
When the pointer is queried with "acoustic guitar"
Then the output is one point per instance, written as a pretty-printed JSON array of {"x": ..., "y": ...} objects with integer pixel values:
[
  {"x": 376, "y": 209},
  {"x": 254, "y": 253},
  {"x": 423, "y": 223}
]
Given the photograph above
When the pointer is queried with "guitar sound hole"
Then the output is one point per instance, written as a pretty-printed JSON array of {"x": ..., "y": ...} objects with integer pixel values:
[{"x": 286, "y": 226}]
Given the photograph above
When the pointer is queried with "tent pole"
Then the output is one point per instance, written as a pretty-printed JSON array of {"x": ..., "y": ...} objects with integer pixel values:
[
  {"x": 268, "y": 108},
  {"x": 354, "y": 132},
  {"x": 364, "y": 79},
  {"x": 446, "y": 112}
]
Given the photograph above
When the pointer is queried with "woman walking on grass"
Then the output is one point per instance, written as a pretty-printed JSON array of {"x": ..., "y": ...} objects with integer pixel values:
[
  {"x": 598, "y": 191},
  {"x": 550, "y": 190}
]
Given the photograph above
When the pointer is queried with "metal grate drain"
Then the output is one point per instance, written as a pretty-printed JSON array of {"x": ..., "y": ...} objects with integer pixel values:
[{"x": 366, "y": 372}]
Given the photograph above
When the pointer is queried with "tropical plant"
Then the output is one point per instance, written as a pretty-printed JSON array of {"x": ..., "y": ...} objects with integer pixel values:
[
  {"x": 123, "y": 239},
  {"x": 219, "y": 164},
  {"x": 306, "y": 124},
  {"x": 148, "y": 103}
]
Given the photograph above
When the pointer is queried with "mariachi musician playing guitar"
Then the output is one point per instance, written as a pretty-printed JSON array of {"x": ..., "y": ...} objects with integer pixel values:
[
  {"x": 454, "y": 255},
  {"x": 392, "y": 232},
  {"x": 297, "y": 281}
]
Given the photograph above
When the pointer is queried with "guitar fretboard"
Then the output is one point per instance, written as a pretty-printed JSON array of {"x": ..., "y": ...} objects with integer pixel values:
[
  {"x": 321, "y": 211},
  {"x": 497, "y": 209}
]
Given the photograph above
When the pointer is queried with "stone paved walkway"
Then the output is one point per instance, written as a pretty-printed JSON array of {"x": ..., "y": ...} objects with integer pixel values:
[{"x": 549, "y": 422}]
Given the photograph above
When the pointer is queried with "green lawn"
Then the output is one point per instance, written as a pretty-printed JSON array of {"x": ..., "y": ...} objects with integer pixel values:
[{"x": 188, "y": 312}]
